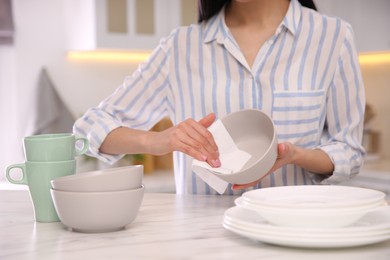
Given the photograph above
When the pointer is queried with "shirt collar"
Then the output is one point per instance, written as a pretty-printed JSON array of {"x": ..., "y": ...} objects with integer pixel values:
[
  {"x": 216, "y": 29},
  {"x": 293, "y": 17}
]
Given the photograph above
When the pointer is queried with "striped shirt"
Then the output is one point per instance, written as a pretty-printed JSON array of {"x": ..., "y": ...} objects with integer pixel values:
[{"x": 306, "y": 77}]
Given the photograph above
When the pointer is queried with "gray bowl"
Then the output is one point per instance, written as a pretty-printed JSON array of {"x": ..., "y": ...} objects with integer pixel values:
[
  {"x": 97, "y": 212},
  {"x": 110, "y": 179},
  {"x": 254, "y": 132}
]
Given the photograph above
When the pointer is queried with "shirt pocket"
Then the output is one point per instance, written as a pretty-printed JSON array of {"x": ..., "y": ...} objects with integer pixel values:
[{"x": 297, "y": 116}]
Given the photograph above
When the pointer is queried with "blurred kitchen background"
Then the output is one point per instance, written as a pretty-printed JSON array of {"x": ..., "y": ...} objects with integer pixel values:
[{"x": 60, "y": 57}]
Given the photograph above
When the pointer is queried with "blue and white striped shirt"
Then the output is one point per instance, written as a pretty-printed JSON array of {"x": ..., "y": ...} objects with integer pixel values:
[{"x": 306, "y": 77}]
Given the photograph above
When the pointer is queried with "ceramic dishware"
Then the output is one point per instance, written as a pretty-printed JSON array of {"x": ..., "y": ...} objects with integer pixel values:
[
  {"x": 110, "y": 179},
  {"x": 37, "y": 176},
  {"x": 313, "y": 196},
  {"x": 312, "y": 205},
  {"x": 95, "y": 212},
  {"x": 374, "y": 227},
  {"x": 53, "y": 147},
  {"x": 326, "y": 217},
  {"x": 254, "y": 132}
]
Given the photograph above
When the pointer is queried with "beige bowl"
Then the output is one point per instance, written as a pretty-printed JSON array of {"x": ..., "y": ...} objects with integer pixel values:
[
  {"x": 254, "y": 132},
  {"x": 93, "y": 212},
  {"x": 111, "y": 179}
]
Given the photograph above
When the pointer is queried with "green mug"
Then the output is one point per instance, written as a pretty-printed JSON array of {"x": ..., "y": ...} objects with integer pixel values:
[
  {"x": 37, "y": 176},
  {"x": 53, "y": 147}
]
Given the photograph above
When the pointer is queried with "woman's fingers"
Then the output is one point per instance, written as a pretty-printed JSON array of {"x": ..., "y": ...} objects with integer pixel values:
[
  {"x": 194, "y": 139},
  {"x": 211, "y": 146},
  {"x": 207, "y": 120},
  {"x": 283, "y": 151},
  {"x": 202, "y": 140},
  {"x": 244, "y": 186},
  {"x": 204, "y": 123},
  {"x": 189, "y": 142}
]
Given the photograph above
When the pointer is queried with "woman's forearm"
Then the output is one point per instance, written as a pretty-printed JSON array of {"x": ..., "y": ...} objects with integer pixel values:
[
  {"x": 123, "y": 140},
  {"x": 316, "y": 161},
  {"x": 190, "y": 137}
]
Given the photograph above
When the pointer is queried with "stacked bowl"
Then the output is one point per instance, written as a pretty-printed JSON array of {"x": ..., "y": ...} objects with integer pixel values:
[
  {"x": 99, "y": 201},
  {"x": 311, "y": 216}
]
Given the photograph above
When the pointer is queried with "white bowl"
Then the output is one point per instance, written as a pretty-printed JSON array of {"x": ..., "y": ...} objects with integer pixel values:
[
  {"x": 313, "y": 196},
  {"x": 313, "y": 218},
  {"x": 110, "y": 179},
  {"x": 253, "y": 132},
  {"x": 93, "y": 212},
  {"x": 312, "y": 206}
]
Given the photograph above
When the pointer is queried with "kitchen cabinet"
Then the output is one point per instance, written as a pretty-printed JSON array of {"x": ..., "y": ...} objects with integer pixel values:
[
  {"x": 370, "y": 21},
  {"x": 123, "y": 24},
  {"x": 87, "y": 22}
]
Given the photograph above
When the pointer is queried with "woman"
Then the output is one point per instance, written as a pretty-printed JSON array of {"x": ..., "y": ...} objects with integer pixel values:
[{"x": 296, "y": 65}]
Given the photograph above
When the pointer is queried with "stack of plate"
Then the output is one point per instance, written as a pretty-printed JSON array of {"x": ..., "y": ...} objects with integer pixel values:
[{"x": 311, "y": 216}]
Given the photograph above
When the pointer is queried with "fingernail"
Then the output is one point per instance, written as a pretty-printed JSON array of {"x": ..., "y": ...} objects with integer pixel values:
[
  {"x": 216, "y": 163},
  {"x": 219, "y": 163},
  {"x": 204, "y": 157}
]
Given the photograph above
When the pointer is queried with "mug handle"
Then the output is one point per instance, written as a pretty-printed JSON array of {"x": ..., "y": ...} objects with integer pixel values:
[
  {"x": 22, "y": 166},
  {"x": 85, "y": 145}
]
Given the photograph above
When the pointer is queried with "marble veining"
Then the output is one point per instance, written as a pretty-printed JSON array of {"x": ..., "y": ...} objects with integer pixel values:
[{"x": 168, "y": 226}]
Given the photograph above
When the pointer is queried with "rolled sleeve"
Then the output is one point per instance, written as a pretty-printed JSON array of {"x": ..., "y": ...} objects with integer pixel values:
[
  {"x": 96, "y": 130},
  {"x": 140, "y": 102}
]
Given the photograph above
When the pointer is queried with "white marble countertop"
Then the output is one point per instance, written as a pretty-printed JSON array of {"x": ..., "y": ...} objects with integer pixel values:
[{"x": 168, "y": 226}]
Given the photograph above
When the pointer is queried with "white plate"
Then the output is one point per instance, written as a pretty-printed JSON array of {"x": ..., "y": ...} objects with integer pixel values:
[
  {"x": 313, "y": 196},
  {"x": 373, "y": 228},
  {"x": 372, "y": 222},
  {"x": 307, "y": 235},
  {"x": 308, "y": 242}
]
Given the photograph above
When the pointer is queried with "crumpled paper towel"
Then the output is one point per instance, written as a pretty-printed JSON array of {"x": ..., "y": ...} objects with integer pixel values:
[{"x": 232, "y": 159}]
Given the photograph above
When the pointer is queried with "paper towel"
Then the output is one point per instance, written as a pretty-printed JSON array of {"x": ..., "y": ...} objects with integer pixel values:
[{"x": 232, "y": 159}]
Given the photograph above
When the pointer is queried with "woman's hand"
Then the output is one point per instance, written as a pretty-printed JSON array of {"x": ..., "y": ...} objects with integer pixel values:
[
  {"x": 285, "y": 156},
  {"x": 313, "y": 160},
  {"x": 190, "y": 137}
]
